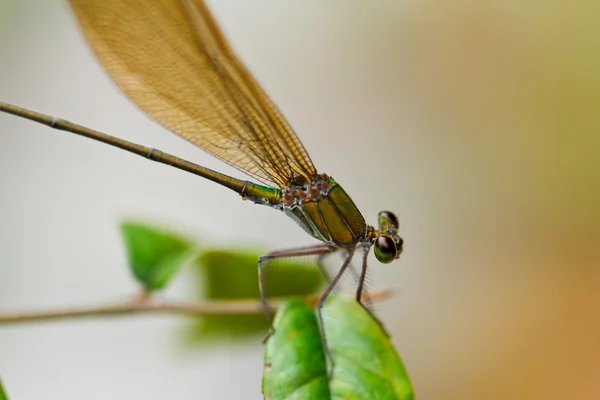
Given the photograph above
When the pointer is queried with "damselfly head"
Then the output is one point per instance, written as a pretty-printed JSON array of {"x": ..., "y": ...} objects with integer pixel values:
[{"x": 388, "y": 244}]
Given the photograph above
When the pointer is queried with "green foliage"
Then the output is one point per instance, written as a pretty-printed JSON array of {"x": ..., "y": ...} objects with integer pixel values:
[
  {"x": 154, "y": 255},
  {"x": 365, "y": 363},
  {"x": 230, "y": 275},
  {"x": 3, "y": 395},
  {"x": 295, "y": 366}
]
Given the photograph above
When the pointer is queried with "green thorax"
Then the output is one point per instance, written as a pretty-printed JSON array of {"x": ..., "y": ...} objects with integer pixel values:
[
  {"x": 329, "y": 215},
  {"x": 322, "y": 208}
]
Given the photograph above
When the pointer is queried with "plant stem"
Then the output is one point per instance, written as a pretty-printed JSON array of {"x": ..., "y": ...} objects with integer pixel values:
[{"x": 150, "y": 306}]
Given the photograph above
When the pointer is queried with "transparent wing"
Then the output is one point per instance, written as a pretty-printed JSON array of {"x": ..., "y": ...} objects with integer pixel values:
[{"x": 173, "y": 61}]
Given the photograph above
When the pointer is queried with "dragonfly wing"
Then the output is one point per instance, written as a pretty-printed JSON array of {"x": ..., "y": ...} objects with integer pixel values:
[{"x": 173, "y": 61}]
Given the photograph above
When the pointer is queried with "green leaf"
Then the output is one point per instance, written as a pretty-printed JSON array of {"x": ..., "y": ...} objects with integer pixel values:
[
  {"x": 365, "y": 363},
  {"x": 295, "y": 366},
  {"x": 155, "y": 255},
  {"x": 3, "y": 395},
  {"x": 230, "y": 275}
]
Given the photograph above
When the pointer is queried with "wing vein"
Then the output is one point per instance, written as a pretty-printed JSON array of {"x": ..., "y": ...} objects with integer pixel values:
[{"x": 172, "y": 60}]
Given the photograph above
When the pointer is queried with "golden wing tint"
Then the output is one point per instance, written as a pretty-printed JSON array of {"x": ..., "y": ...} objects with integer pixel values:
[{"x": 172, "y": 60}]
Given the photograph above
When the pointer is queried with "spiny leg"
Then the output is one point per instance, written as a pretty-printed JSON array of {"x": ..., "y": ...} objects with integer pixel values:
[
  {"x": 363, "y": 275},
  {"x": 320, "y": 250},
  {"x": 324, "y": 297},
  {"x": 359, "y": 289},
  {"x": 321, "y": 264},
  {"x": 353, "y": 272}
]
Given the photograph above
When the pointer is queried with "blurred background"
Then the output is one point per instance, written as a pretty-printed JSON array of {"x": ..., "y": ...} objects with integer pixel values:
[{"x": 476, "y": 121}]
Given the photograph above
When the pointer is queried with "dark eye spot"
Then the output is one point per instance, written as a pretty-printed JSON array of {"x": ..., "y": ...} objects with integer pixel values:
[
  {"x": 388, "y": 218},
  {"x": 399, "y": 244},
  {"x": 385, "y": 249}
]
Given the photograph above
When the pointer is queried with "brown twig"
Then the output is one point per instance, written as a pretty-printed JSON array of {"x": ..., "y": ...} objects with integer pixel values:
[{"x": 148, "y": 306}]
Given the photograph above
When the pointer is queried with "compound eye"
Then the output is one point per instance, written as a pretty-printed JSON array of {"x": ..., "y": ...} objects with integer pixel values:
[
  {"x": 385, "y": 249},
  {"x": 399, "y": 246},
  {"x": 388, "y": 218}
]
